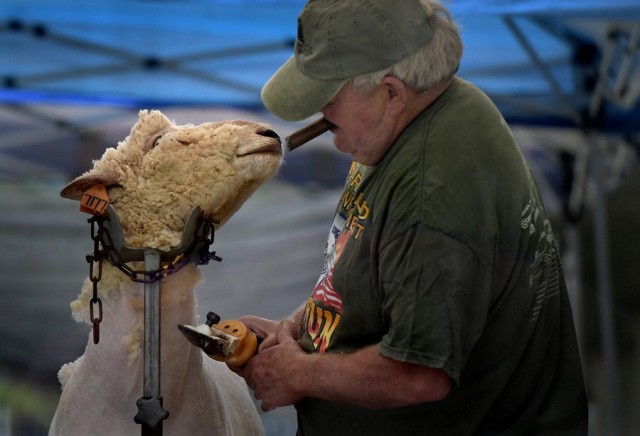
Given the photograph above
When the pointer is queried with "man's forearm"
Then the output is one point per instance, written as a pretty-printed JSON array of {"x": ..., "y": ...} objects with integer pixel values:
[{"x": 368, "y": 379}]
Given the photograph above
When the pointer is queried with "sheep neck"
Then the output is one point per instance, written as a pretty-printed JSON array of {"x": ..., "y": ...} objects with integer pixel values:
[{"x": 120, "y": 346}]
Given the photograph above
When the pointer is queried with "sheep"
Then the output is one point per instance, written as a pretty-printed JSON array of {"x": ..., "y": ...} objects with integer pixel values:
[{"x": 154, "y": 178}]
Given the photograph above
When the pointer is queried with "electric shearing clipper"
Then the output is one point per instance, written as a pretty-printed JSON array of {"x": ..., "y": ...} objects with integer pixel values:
[{"x": 228, "y": 341}]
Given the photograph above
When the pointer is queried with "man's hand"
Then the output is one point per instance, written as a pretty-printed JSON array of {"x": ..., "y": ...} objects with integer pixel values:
[
  {"x": 270, "y": 374},
  {"x": 262, "y": 327}
]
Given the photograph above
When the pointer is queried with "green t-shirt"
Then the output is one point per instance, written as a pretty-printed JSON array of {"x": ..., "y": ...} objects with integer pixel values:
[{"x": 443, "y": 255}]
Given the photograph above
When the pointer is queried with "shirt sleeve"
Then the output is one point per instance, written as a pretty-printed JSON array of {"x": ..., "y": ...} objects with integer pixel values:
[{"x": 436, "y": 295}]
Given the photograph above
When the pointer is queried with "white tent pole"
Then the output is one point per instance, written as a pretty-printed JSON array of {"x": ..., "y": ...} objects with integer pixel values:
[{"x": 605, "y": 300}]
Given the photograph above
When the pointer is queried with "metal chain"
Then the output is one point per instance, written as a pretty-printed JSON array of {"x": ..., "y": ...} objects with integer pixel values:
[
  {"x": 202, "y": 238},
  {"x": 96, "y": 256},
  {"x": 207, "y": 236},
  {"x": 202, "y": 241}
]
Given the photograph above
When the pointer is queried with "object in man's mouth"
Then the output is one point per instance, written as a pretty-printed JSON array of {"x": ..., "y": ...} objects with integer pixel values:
[{"x": 306, "y": 134}]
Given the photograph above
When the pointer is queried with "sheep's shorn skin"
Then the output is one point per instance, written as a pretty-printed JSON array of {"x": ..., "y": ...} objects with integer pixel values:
[{"x": 154, "y": 178}]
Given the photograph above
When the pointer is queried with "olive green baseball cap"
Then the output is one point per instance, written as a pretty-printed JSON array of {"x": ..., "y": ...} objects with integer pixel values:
[{"x": 338, "y": 40}]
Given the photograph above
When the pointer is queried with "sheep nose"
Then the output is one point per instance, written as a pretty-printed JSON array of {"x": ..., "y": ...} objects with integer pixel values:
[{"x": 269, "y": 134}]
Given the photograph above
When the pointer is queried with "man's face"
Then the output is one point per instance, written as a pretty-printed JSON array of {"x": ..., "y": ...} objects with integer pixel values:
[{"x": 363, "y": 127}]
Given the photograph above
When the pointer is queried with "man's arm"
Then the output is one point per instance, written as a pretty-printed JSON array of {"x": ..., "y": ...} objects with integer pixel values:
[{"x": 283, "y": 373}]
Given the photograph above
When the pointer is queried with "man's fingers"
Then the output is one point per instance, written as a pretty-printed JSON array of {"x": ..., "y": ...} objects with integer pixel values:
[
  {"x": 283, "y": 333},
  {"x": 260, "y": 326},
  {"x": 267, "y": 342}
]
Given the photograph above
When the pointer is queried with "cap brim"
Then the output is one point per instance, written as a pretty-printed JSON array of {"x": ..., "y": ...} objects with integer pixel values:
[{"x": 292, "y": 96}]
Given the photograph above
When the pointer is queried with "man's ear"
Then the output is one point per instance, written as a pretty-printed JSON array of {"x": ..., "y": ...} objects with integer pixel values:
[{"x": 398, "y": 94}]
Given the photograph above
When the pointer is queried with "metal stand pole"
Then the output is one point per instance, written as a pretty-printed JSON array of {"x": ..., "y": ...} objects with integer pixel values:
[
  {"x": 605, "y": 294},
  {"x": 197, "y": 237},
  {"x": 150, "y": 410},
  {"x": 151, "y": 386}
]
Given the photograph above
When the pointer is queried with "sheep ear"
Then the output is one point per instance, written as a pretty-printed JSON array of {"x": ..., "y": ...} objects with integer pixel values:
[
  {"x": 81, "y": 184},
  {"x": 150, "y": 122}
]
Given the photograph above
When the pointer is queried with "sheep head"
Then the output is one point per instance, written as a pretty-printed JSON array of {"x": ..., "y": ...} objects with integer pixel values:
[{"x": 161, "y": 171}]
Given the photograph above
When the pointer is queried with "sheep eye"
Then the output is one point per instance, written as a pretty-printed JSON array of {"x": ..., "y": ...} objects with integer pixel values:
[{"x": 155, "y": 142}]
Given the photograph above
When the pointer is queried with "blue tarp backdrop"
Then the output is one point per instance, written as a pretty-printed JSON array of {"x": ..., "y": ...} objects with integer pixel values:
[{"x": 539, "y": 59}]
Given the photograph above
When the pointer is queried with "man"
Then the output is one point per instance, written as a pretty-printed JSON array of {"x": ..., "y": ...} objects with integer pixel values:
[{"x": 442, "y": 307}]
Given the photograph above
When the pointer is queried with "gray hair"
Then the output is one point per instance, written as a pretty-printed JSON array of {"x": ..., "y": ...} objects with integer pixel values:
[{"x": 434, "y": 63}]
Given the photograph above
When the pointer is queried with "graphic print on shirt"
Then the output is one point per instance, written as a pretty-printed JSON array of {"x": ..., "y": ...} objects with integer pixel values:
[
  {"x": 323, "y": 311},
  {"x": 545, "y": 269},
  {"x": 355, "y": 204},
  {"x": 324, "y": 291}
]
